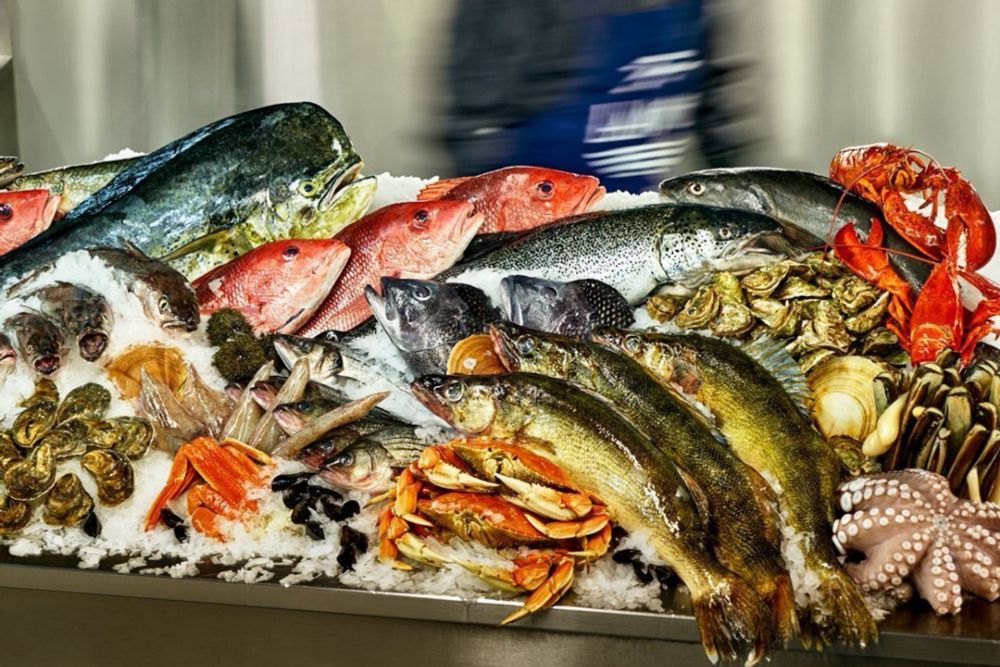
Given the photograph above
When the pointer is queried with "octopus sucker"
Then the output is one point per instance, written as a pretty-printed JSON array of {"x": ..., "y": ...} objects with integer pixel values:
[{"x": 913, "y": 530}]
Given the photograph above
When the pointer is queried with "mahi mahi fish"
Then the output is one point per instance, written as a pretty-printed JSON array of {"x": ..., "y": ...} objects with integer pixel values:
[
  {"x": 217, "y": 193},
  {"x": 747, "y": 540},
  {"x": 800, "y": 200},
  {"x": 766, "y": 429},
  {"x": 640, "y": 486}
]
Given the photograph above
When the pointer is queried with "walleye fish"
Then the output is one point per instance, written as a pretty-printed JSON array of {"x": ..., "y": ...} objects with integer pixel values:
[
  {"x": 7, "y": 356},
  {"x": 747, "y": 540},
  {"x": 81, "y": 313},
  {"x": 369, "y": 463},
  {"x": 424, "y": 319},
  {"x": 768, "y": 432},
  {"x": 24, "y": 215},
  {"x": 608, "y": 457},
  {"x": 572, "y": 309},
  {"x": 277, "y": 286},
  {"x": 406, "y": 240},
  {"x": 73, "y": 184},
  {"x": 634, "y": 250},
  {"x": 39, "y": 341},
  {"x": 216, "y": 193},
  {"x": 803, "y": 202}
]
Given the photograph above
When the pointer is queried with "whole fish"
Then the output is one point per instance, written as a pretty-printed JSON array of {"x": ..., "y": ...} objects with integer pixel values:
[
  {"x": 572, "y": 309},
  {"x": 406, "y": 240},
  {"x": 7, "y": 356},
  {"x": 216, "y": 193},
  {"x": 24, "y": 215},
  {"x": 277, "y": 286},
  {"x": 607, "y": 456},
  {"x": 323, "y": 357},
  {"x": 768, "y": 432},
  {"x": 369, "y": 463},
  {"x": 516, "y": 199},
  {"x": 634, "y": 250},
  {"x": 165, "y": 294},
  {"x": 746, "y": 539},
  {"x": 424, "y": 319},
  {"x": 73, "y": 184},
  {"x": 81, "y": 313},
  {"x": 803, "y": 202},
  {"x": 293, "y": 417},
  {"x": 39, "y": 341}
]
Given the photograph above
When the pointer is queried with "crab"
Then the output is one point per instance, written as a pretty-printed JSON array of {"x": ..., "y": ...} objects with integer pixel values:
[
  {"x": 502, "y": 494},
  {"x": 227, "y": 472}
]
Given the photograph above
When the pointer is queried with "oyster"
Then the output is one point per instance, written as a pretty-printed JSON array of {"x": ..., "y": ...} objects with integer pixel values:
[
  {"x": 9, "y": 453},
  {"x": 870, "y": 317},
  {"x": 853, "y": 294},
  {"x": 762, "y": 282},
  {"x": 700, "y": 310},
  {"x": 727, "y": 287},
  {"x": 879, "y": 341},
  {"x": 66, "y": 440},
  {"x": 663, "y": 307},
  {"x": 102, "y": 433},
  {"x": 135, "y": 435},
  {"x": 45, "y": 392},
  {"x": 87, "y": 400},
  {"x": 33, "y": 422},
  {"x": 68, "y": 503},
  {"x": 824, "y": 265},
  {"x": 734, "y": 319},
  {"x": 14, "y": 515},
  {"x": 160, "y": 362},
  {"x": 797, "y": 288},
  {"x": 32, "y": 477},
  {"x": 113, "y": 474},
  {"x": 822, "y": 327},
  {"x": 811, "y": 360}
]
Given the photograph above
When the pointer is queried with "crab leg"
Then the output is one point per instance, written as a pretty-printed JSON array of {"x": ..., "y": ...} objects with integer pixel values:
[
  {"x": 548, "y": 593},
  {"x": 179, "y": 479},
  {"x": 547, "y": 501},
  {"x": 565, "y": 530}
]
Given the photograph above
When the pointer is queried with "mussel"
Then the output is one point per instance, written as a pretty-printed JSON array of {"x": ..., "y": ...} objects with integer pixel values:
[
  {"x": 68, "y": 503},
  {"x": 32, "y": 477},
  {"x": 113, "y": 474}
]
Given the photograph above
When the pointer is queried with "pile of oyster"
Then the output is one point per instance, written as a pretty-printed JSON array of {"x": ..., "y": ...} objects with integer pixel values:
[
  {"x": 815, "y": 302},
  {"x": 48, "y": 431},
  {"x": 935, "y": 416}
]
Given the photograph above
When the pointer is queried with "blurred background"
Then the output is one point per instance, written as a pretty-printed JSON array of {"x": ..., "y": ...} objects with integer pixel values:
[{"x": 629, "y": 89}]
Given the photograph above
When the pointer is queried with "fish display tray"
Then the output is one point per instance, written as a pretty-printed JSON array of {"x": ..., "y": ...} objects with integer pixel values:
[{"x": 52, "y": 613}]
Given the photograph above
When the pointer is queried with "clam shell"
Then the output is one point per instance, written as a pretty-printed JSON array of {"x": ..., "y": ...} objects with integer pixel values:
[
  {"x": 475, "y": 356},
  {"x": 160, "y": 362},
  {"x": 843, "y": 399}
]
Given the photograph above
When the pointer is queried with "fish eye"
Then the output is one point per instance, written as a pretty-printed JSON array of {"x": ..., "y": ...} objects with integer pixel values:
[
  {"x": 422, "y": 293},
  {"x": 164, "y": 304},
  {"x": 454, "y": 391},
  {"x": 6, "y": 211},
  {"x": 725, "y": 232},
  {"x": 696, "y": 188},
  {"x": 525, "y": 344},
  {"x": 545, "y": 189},
  {"x": 549, "y": 293},
  {"x": 420, "y": 218},
  {"x": 307, "y": 188},
  {"x": 344, "y": 459},
  {"x": 631, "y": 343},
  {"x": 290, "y": 252}
]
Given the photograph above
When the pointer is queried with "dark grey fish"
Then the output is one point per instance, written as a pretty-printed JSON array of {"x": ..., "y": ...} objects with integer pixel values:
[
  {"x": 803, "y": 202},
  {"x": 39, "y": 341},
  {"x": 634, "y": 250},
  {"x": 424, "y": 319},
  {"x": 570, "y": 309},
  {"x": 324, "y": 357},
  {"x": 82, "y": 313}
]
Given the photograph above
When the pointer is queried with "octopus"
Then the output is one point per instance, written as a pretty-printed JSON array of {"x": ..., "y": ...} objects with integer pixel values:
[{"x": 912, "y": 529}]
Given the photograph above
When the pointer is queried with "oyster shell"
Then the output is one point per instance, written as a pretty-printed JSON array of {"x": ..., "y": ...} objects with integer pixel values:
[
  {"x": 853, "y": 294},
  {"x": 14, "y": 515},
  {"x": 9, "y": 453},
  {"x": 32, "y": 477},
  {"x": 797, "y": 288},
  {"x": 870, "y": 317},
  {"x": 734, "y": 319},
  {"x": 135, "y": 435},
  {"x": 113, "y": 474},
  {"x": 727, "y": 287},
  {"x": 68, "y": 503},
  {"x": 33, "y": 422},
  {"x": 66, "y": 440},
  {"x": 663, "y": 307},
  {"x": 87, "y": 400},
  {"x": 45, "y": 392},
  {"x": 700, "y": 310}
]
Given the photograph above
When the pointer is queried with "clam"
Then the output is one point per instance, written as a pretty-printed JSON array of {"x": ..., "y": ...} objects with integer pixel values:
[
  {"x": 843, "y": 400},
  {"x": 68, "y": 503},
  {"x": 33, "y": 422},
  {"x": 135, "y": 435},
  {"x": 700, "y": 310},
  {"x": 66, "y": 440},
  {"x": 30, "y": 478},
  {"x": 9, "y": 453},
  {"x": 475, "y": 356},
  {"x": 14, "y": 515},
  {"x": 162, "y": 363},
  {"x": 87, "y": 400},
  {"x": 113, "y": 474}
]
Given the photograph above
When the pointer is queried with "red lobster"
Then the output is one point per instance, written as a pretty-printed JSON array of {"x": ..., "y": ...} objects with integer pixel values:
[{"x": 933, "y": 320}]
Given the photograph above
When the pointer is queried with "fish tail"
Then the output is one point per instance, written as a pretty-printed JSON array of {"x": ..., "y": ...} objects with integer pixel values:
[
  {"x": 733, "y": 621},
  {"x": 838, "y": 613},
  {"x": 782, "y": 604}
]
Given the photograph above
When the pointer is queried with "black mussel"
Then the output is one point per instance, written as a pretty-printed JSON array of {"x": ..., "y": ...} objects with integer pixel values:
[
  {"x": 642, "y": 572},
  {"x": 354, "y": 538},
  {"x": 349, "y": 509},
  {"x": 347, "y": 558},
  {"x": 617, "y": 535},
  {"x": 320, "y": 492},
  {"x": 169, "y": 518},
  {"x": 314, "y": 530},
  {"x": 295, "y": 495},
  {"x": 663, "y": 574},
  {"x": 625, "y": 556},
  {"x": 302, "y": 513},
  {"x": 181, "y": 533},
  {"x": 92, "y": 525},
  {"x": 282, "y": 482},
  {"x": 331, "y": 508}
]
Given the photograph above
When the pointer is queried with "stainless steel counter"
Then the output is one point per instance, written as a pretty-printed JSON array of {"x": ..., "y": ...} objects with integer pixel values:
[{"x": 50, "y": 614}]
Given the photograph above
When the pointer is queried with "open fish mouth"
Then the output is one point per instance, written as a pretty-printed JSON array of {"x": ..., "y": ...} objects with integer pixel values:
[
  {"x": 336, "y": 187},
  {"x": 289, "y": 419},
  {"x": 755, "y": 251},
  {"x": 467, "y": 230},
  {"x": 179, "y": 326},
  {"x": 423, "y": 389},
  {"x": 47, "y": 364},
  {"x": 587, "y": 202},
  {"x": 92, "y": 345},
  {"x": 7, "y": 357}
]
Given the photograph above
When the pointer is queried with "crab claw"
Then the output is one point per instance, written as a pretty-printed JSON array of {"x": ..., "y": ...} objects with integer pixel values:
[
  {"x": 548, "y": 593},
  {"x": 595, "y": 545},
  {"x": 561, "y": 505},
  {"x": 448, "y": 476},
  {"x": 498, "y": 577},
  {"x": 564, "y": 530},
  {"x": 417, "y": 549}
]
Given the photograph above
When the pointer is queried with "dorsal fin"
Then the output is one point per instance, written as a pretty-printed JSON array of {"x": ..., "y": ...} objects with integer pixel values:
[
  {"x": 132, "y": 248},
  {"x": 440, "y": 188},
  {"x": 771, "y": 354}
]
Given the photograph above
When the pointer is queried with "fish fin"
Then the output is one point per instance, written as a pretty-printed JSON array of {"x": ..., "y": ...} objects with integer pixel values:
[
  {"x": 781, "y": 602},
  {"x": 199, "y": 243},
  {"x": 733, "y": 621},
  {"x": 768, "y": 502},
  {"x": 132, "y": 248},
  {"x": 484, "y": 244},
  {"x": 700, "y": 499},
  {"x": 771, "y": 354},
  {"x": 440, "y": 188}
]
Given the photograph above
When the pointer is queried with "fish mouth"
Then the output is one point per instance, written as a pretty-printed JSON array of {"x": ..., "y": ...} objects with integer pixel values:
[
  {"x": 753, "y": 252},
  {"x": 288, "y": 419},
  {"x": 425, "y": 390},
  {"x": 47, "y": 364},
  {"x": 179, "y": 325},
  {"x": 263, "y": 394},
  {"x": 502, "y": 335},
  {"x": 508, "y": 303},
  {"x": 467, "y": 230},
  {"x": 8, "y": 357},
  {"x": 337, "y": 186},
  {"x": 589, "y": 200},
  {"x": 92, "y": 344}
]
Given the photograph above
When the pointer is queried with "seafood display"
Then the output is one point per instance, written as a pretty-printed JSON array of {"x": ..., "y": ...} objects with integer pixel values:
[{"x": 760, "y": 402}]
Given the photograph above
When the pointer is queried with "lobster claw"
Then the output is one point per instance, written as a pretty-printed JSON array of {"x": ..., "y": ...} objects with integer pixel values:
[{"x": 937, "y": 320}]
